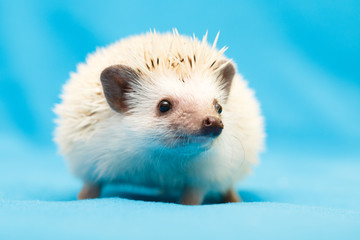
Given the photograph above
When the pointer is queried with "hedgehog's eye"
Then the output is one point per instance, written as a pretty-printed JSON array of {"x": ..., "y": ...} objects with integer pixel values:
[
  {"x": 218, "y": 108},
  {"x": 164, "y": 106}
]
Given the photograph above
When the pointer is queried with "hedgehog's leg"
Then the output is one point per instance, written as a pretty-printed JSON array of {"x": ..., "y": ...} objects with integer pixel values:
[
  {"x": 90, "y": 190},
  {"x": 192, "y": 196},
  {"x": 231, "y": 195}
]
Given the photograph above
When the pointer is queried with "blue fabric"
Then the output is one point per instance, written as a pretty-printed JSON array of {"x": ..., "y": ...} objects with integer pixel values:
[{"x": 301, "y": 57}]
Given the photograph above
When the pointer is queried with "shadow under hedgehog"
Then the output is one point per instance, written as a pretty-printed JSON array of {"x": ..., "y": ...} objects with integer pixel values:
[{"x": 163, "y": 111}]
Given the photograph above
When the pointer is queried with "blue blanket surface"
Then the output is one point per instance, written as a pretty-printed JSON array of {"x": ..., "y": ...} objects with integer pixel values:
[{"x": 302, "y": 59}]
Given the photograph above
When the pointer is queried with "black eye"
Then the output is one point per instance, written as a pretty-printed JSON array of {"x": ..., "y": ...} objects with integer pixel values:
[
  {"x": 164, "y": 106},
  {"x": 218, "y": 108}
]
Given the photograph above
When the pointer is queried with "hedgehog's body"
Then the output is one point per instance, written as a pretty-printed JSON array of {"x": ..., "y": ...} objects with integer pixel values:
[{"x": 110, "y": 128}]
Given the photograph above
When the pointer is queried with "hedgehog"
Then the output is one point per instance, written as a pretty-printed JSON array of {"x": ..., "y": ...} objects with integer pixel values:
[{"x": 162, "y": 111}]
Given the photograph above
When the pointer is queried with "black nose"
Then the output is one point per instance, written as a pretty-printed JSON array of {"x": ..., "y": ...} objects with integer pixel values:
[{"x": 211, "y": 127}]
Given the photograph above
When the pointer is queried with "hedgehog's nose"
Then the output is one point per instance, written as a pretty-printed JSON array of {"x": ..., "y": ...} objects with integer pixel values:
[{"x": 211, "y": 127}]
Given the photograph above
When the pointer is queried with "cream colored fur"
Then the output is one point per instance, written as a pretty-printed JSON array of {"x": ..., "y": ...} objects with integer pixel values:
[{"x": 101, "y": 145}]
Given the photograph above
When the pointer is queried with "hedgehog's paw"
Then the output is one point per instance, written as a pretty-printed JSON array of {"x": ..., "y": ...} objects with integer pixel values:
[
  {"x": 89, "y": 190},
  {"x": 192, "y": 196},
  {"x": 230, "y": 196}
]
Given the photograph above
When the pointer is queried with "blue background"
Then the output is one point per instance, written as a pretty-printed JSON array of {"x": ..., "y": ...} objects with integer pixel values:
[{"x": 302, "y": 59}]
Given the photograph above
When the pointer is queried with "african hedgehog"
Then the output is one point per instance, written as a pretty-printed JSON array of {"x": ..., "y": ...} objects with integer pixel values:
[{"x": 163, "y": 111}]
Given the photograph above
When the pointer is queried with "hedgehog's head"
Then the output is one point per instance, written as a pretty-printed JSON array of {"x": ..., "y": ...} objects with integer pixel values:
[{"x": 171, "y": 109}]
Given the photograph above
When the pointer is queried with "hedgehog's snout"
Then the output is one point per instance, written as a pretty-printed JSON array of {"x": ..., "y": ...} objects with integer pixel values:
[{"x": 211, "y": 127}]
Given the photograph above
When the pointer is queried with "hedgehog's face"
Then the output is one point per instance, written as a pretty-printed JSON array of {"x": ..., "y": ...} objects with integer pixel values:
[
  {"x": 187, "y": 115},
  {"x": 182, "y": 113}
]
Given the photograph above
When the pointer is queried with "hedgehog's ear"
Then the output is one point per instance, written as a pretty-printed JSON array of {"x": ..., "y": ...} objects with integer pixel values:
[
  {"x": 116, "y": 81},
  {"x": 226, "y": 74}
]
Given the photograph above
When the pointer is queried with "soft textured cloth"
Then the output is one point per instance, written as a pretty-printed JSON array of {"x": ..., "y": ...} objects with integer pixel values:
[{"x": 302, "y": 59}]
